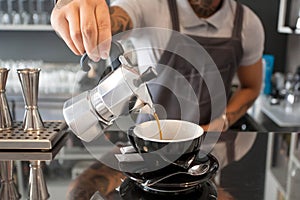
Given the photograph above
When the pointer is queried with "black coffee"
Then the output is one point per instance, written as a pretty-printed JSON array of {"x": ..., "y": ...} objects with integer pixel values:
[{"x": 158, "y": 125}]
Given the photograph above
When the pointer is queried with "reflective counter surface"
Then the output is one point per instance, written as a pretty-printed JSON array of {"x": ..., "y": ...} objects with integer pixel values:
[{"x": 253, "y": 165}]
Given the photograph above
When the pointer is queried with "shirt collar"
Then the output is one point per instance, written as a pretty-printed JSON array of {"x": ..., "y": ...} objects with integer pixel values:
[{"x": 189, "y": 19}]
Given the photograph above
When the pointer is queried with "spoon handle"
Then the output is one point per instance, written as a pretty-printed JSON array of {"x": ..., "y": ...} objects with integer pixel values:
[
  {"x": 203, "y": 169},
  {"x": 153, "y": 181}
]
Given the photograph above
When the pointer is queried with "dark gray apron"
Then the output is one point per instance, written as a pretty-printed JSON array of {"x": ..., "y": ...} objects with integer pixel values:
[{"x": 225, "y": 52}]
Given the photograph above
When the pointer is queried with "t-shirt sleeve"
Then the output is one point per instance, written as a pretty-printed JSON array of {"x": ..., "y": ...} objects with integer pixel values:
[
  {"x": 133, "y": 9},
  {"x": 253, "y": 37}
]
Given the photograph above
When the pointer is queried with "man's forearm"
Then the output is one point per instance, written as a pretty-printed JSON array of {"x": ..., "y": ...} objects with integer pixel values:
[
  {"x": 240, "y": 102},
  {"x": 120, "y": 21},
  {"x": 97, "y": 177},
  {"x": 250, "y": 78}
]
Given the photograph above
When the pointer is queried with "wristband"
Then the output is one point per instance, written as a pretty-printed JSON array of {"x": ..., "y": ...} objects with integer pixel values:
[{"x": 226, "y": 122}]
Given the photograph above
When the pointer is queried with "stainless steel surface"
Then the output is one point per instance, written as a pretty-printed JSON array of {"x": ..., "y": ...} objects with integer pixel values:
[
  {"x": 282, "y": 116},
  {"x": 78, "y": 110},
  {"x": 148, "y": 75},
  {"x": 5, "y": 117},
  {"x": 195, "y": 170},
  {"x": 111, "y": 97},
  {"x": 18, "y": 139},
  {"x": 292, "y": 98},
  {"x": 20, "y": 145},
  {"x": 37, "y": 185},
  {"x": 37, "y": 188},
  {"x": 92, "y": 111},
  {"x": 34, "y": 155},
  {"x": 29, "y": 78},
  {"x": 8, "y": 188}
]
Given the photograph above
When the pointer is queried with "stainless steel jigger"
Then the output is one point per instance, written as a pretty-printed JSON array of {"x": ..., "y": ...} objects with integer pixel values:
[
  {"x": 5, "y": 117},
  {"x": 37, "y": 185},
  {"x": 29, "y": 78},
  {"x": 8, "y": 188}
]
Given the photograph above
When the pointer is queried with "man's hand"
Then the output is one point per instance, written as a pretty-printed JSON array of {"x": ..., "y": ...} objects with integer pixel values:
[
  {"x": 84, "y": 25},
  {"x": 216, "y": 125}
]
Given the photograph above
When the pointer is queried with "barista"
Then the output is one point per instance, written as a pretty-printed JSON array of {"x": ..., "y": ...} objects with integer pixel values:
[
  {"x": 226, "y": 26},
  {"x": 223, "y": 26}
]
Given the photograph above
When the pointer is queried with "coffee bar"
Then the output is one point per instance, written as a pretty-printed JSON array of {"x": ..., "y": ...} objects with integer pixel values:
[{"x": 75, "y": 129}]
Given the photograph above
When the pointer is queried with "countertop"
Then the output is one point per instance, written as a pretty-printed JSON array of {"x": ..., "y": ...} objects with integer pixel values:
[
  {"x": 265, "y": 121},
  {"x": 262, "y": 160},
  {"x": 50, "y": 107},
  {"x": 76, "y": 171}
]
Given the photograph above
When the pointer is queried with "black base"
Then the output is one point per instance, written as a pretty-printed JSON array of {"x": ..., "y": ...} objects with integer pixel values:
[{"x": 130, "y": 190}]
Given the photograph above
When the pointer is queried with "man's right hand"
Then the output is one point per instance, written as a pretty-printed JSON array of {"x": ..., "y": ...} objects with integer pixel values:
[{"x": 84, "y": 25}]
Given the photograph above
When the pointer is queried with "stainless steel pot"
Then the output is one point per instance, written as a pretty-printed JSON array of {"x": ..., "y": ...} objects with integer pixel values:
[{"x": 89, "y": 113}]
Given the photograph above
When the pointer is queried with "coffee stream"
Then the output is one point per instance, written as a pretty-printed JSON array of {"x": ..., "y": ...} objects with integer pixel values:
[
  {"x": 158, "y": 125},
  {"x": 157, "y": 121}
]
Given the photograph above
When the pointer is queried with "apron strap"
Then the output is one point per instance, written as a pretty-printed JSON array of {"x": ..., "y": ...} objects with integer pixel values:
[
  {"x": 228, "y": 139},
  {"x": 238, "y": 21},
  {"x": 174, "y": 15}
]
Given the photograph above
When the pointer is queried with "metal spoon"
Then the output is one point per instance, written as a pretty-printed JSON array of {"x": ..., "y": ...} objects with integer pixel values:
[
  {"x": 183, "y": 164},
  {"x": 195, "y": 170}
]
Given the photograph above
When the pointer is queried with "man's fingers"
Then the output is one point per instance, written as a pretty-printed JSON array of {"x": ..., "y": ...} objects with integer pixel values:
[
  {"x": 89, "y": 31},
  {"x": 83, "y": 25},
  {"x": 75, "y": 32},
  {"x": 63, "y": 31},
  {"x": 104, "y": 31}
]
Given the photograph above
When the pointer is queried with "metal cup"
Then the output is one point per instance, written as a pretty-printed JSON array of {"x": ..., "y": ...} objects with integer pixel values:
[
  {"x": 8, "y": 188},
  {"x": 29, "y": 78},
  {"x": 37, "y": 184},
  {"x": 5, "y": 117}
]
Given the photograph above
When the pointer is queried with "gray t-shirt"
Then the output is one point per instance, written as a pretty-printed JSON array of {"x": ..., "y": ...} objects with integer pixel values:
[{"x": 155, "y": 13}]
